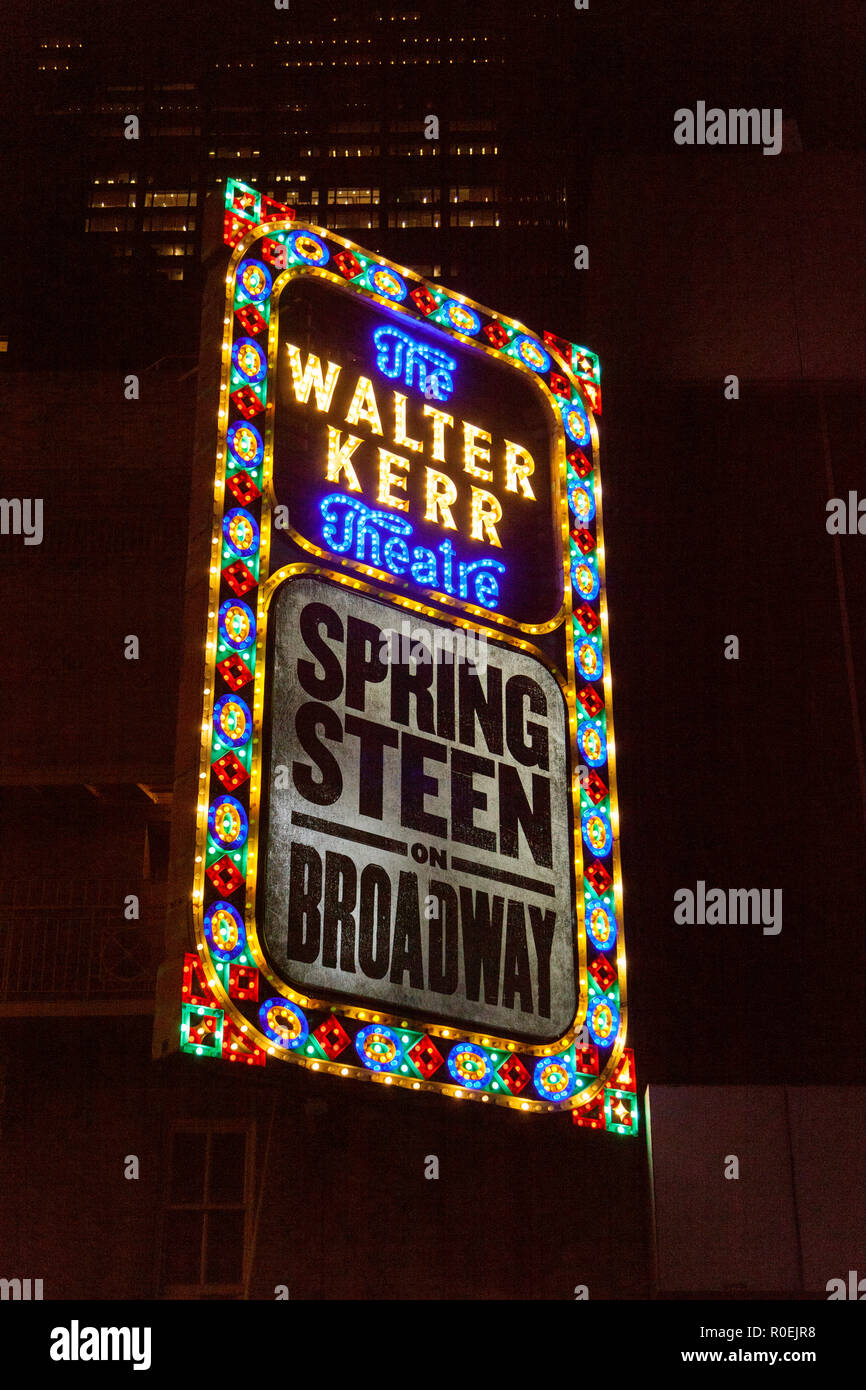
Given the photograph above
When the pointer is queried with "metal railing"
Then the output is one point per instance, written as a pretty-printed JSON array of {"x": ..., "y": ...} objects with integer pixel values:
[{"x": 67, "y": 940}]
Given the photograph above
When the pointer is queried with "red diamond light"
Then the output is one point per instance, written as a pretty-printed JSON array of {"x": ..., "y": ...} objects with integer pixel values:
[
  {"x": 580, "y": 463},
  {"x": 347, "y": 264},
  {"x": 247, "y": 402},
  {"x": 584, "y": 539},
  {"x": 231, "y": 771},
  {"x": 423, "y": 299},
  {"x": 239, "y": 578},
  {"x": 332, "y": 1037},
  {"x": 587, "y": 617},
  {"x": 591, "y": 1115},
  {"x": 514, "y": 1074},
  {"x": 595, "y": 787},
  {"x": 426, "y": 1056},
  {"x": 602, "y": 972},
  {"x": 591, "y": 700},
  {"x": 495, "y": 334},
  {"x": 586, "y": 1059},
  {"x": 243, "y": 488},
  {"x": 225, "y": 876},
  {"x": 597, "y": 875},
  {"x": 234, "y": 671},
  {"x": 243, "y": 982},
  {"x": 274, "y": 252},
  {"x": 251, "y": 320}
]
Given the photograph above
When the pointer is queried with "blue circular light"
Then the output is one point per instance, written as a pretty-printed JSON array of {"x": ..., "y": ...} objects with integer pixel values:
[
  {"x": 597, "y": 832},
  {"x": 575, "y": 421},
  {"x": 227, "y": 822},
  {"x": 584, "y": 574},
  {"x": 589, "y": 659},
  {"x": 254, "y": 281},
  {"x": 237, "y": 624},
  {"x": 307, "y": 247},
  {"x": 533, "y": 354},
  {"x": 462, "y": 318},
  {"x": 555, "y": 1078},
  {"x": 379, "y": 1048},
  {"x": 241, "y": 532},
  {"x": 232, "y": 721},
  {"x": 224, "y": 931},
  {"x": 600, "y": 926},
  {"x": 283, "y": 1023},
  {"x": 592, "y": 742},
  {"x": 246, "y": 444},
  {"x": 470, "y": 1066},
  {"x": 582, "y": 503},
  {"x": 249, "y": 360},
  {"x": 602, "y": 1021},
  {"x": 387, "y": 282}
]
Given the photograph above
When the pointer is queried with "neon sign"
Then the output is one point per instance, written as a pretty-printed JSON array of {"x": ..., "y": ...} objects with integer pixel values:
[
  {"x": 359, "y": 530},
  {"x": 399, "y": 355}
]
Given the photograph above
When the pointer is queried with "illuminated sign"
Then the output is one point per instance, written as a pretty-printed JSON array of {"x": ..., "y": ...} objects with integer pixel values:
[
  {"x": 407, "y": 855},
  {"x": 424, "y": 463}
]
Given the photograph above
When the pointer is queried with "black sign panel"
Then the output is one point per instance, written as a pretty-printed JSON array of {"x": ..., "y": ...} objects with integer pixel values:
[{"x": 400, "y": 451}]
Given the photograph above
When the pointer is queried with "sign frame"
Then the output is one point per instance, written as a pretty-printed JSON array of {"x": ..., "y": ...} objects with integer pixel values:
[{"x": 581, "y": 1072}]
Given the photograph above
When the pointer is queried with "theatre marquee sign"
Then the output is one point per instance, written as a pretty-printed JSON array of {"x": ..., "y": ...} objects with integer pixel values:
[{"x": 407, "y": 862}]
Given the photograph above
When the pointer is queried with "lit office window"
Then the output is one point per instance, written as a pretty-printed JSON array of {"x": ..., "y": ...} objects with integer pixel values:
[
  {"x": 170, "y": 198},
  {"x": 348, "y": 197}
]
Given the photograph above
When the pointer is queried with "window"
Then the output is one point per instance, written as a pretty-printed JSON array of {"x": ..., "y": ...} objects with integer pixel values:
[
  {"x": 472, "y": 148},
  {"x": 123, "y": 176},
  {"x": 297, "y": 196},
  {"x": 208, "y": 1208},
  {"x": 170, "y": 198},
  {"x": 168, "y": 222},
  {"x": 472, "y": 193},
  {"x": 477, "y": 123},
  {"x": 413, "y": 148},
  {"x": 347, "y": 196},
  {"x": 354, "y": 127},
  {"x": 171, "y": 248},
  {"x": 112, "y": 198},
  {"x": 110, "y": 222},
  {"x": 351, "y": 217},
  {"x": 417, "y": 195},
  {"x": 474, "y": 217},
  {"x": 345, "y": 151},
  {"x": 414, "y": 217}
]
